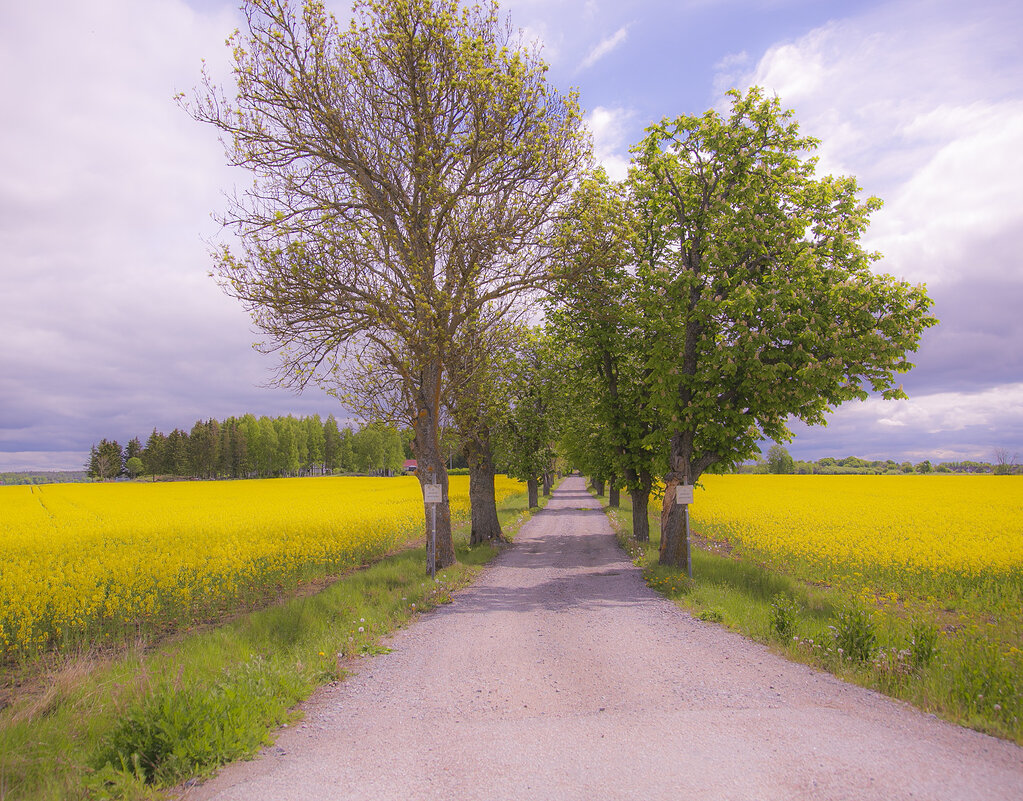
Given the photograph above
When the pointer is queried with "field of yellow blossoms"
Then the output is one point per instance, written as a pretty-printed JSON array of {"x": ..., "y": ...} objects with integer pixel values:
[
  {"x": 86, "y": 562},
  {"x": 951, "y": 536}
]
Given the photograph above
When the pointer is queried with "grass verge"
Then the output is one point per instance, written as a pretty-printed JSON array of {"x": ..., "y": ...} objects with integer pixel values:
[
  {"x": 125, "y": 727},
  {"x": 957, "y": 673}
]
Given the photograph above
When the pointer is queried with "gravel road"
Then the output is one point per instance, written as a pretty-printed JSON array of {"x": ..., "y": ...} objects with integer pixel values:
[{"x": 560, "y": 675}]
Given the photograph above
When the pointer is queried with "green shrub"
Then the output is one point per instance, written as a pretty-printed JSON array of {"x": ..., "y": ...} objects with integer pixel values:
[
  {"x": 174, "y": 732},
  {"x": 784, "y": 615},
  {"x": 854, "y": 635}
]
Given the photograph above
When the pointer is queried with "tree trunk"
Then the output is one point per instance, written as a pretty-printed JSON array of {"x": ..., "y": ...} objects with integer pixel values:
[
  {"x": 598, "y": 485},
  {"x": 548, "y": 481},
  {"x": 614, "y": 499},
  {"x": 430, "y": 469},
  {"x": 482, "y": 500},
  {"x": 534, "y": 500},
  {"x": 674, "y": 537},
  {"x": 641, "y": 508}
]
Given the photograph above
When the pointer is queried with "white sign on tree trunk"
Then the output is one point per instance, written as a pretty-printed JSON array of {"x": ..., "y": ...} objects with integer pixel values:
[
  {"x": 684, "y": 494},
  {"x": 432, "y": 493}
]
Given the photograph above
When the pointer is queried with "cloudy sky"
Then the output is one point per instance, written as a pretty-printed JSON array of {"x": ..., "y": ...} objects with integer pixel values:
[{"x": 110, "y": 325}]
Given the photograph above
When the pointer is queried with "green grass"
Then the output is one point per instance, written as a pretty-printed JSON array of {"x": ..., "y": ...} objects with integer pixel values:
[
  {"x": 125, "y": 726},
  {"x": 964, "y": 673}
]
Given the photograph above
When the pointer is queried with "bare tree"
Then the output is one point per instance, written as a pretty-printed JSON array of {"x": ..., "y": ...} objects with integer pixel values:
[
  {"x": 406, "y": 171},
  {"x": 1005, "y": 462}
]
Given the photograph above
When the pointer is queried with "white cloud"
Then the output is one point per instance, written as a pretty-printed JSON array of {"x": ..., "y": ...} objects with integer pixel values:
[
  {"x": 730, "y": 71},
  {"x": 939, "y": 426},
  {"x": 109, "y": 320},
  {"x": 920, "y": 103},
  {"x": 948, "y": 411},
  {"x": 965, "y": 193},
  {"x": 604, "y": 47},
  {"x": 610, "y": 127}
]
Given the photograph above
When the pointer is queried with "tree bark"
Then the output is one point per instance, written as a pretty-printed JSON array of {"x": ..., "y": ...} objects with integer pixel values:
[
  {"x": 532, "y": 486},
  {"x": 614, "y": 499},
  {"x": 640, "y": 495},
  {"x": 548, "y": 482},
  {"x": 674, "y": 536},
  {"x": 486, "y": 527},
  {"x": 430, "y": 461},
  {"x": 598, "y": 485}
]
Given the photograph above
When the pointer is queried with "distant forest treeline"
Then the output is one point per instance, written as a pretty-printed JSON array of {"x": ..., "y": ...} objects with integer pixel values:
[
  {"x": 780, "y": 462},
  {"x": 251, "y": 447},
  {"x": 42, "y": 477}
]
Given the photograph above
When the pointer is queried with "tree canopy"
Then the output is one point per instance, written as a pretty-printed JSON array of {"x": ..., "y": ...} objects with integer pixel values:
[
  {"x": 749, "y": 299},
  {"x": 407, "y": 169}
]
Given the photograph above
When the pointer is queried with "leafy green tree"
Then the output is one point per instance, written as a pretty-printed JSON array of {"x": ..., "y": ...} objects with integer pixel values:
[
  {"x": 176, "y": 454},
  {"x": 204, "y": 449},
  {"x": 233, "y": 448},
  {"x": 377, "y": 449},
  {"x": 346, "y": 450},
  {"x": 154, "y": 454},
  {"x": 314, "y": 443},
  {"x": 406, "y": 168},
  {"x": 613, "y": 430},
  {"x": 760, "y": 299},
  {"x": 132, "y": 450},
  {"x": 92, "y": 466},
  {"x": 133, "y": 467},
  {"x": 265, "y": 448},
  {"x": 528, "y": 432},
  {"x": 250, "y": 431},
  {"x": 780, "y": 461},
  {"x": 286, "y": 456},
  {"x": 331, "y": 445},
  {"x": 109, "y": 459}
]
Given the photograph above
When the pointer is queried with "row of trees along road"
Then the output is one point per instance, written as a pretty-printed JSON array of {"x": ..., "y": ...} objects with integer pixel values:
[
  {"x": 414, "y": 195},
  {"x": 407, "y": 168},
  {"x": 716, "y": 293}
]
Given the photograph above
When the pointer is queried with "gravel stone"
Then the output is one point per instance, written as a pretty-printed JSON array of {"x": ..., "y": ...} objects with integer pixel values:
[{"x": 561, "y": 675}]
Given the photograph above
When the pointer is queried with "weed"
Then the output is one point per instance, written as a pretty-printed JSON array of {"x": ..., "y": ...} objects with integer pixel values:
[
  {"x": 984, "y": 681},
  {"x": 784, "y": 615},
  {"x": 855, "y": 639},
  {"x": 923, "y": 644}
]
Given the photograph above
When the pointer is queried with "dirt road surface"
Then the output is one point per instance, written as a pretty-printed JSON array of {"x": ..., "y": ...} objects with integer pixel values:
[{"x": 560, "y": 675}]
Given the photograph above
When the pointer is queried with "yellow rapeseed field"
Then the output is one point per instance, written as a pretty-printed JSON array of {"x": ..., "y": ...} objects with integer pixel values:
[
  {"x": 83, "y": 562},
  {"x": 932, "y": 533}
]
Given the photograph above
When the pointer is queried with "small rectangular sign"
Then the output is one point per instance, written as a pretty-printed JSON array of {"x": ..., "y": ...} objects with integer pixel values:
[
  {"x": 432, "y": 493},
  {"x": 684, "y": 494}
]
